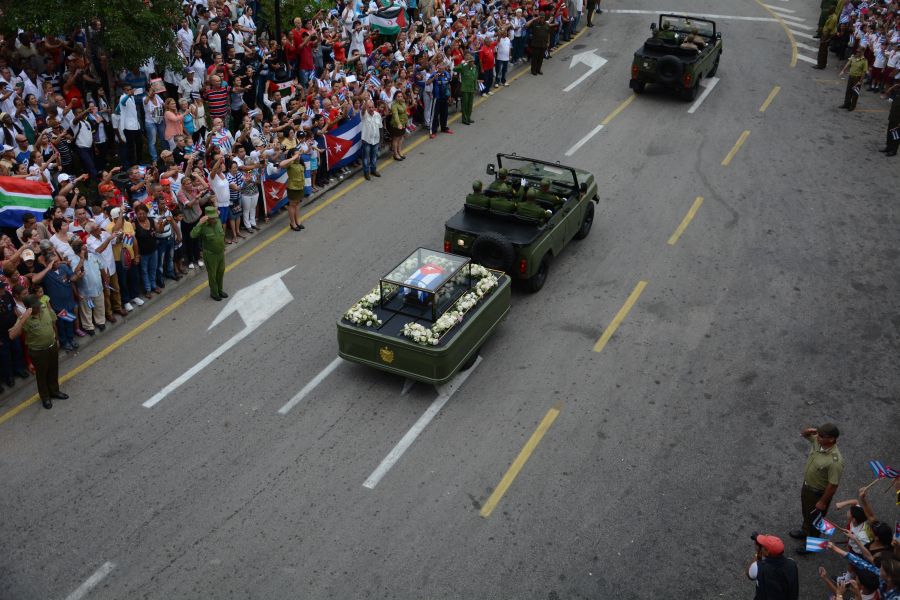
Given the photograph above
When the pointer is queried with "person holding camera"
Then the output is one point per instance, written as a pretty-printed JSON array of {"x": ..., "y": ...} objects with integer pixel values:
[{"x": 775, "y": 575}]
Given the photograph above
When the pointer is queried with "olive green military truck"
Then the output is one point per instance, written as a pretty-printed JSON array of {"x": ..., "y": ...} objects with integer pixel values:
[
  {"x": 682, "y": 51},
  {"x": 496, "y": 232}
]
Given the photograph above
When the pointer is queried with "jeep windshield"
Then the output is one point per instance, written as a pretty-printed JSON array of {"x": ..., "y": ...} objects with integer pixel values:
[
  {"x": 680, "y": 24},
  {"x": 533, "y": 171}
]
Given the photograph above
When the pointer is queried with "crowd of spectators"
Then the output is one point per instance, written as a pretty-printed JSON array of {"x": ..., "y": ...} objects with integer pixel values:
[{"x": 134, "y": 157}]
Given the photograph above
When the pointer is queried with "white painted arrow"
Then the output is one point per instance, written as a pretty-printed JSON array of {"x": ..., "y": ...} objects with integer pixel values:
[
  {"x": 588, "y": 58},
  {"x": 255, "y": 304}
]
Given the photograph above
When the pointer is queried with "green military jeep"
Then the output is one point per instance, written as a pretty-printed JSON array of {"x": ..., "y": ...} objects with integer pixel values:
[
  {"x": 682, "y": 51},
  {"x": 519, "y": 246},
  {"x": 427, "y": 318}
]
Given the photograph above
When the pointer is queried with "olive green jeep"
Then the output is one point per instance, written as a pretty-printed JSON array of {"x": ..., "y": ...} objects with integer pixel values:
[
  {"x": 502, "y": 238},
  {"x": 682, "y": 51}
]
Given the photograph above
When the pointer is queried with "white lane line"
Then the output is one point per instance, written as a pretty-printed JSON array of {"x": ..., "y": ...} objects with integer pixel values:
[
  {"x": 799, "y": 25},
  {"x": 634, "y": 11},
  {"x": 187, "y": 375},
  {"x": 584, "y": 140},
  {"x": 807, "y": 59},
  {"x": 780, "y": 8},
  {"x": 807, "y": 47},
  {"x": 310, "y": 386},
  {"x": 406, "y": 441},
  {"x": 91, "y": 581},
  {"x": 808, "y": 36},
  {"x": 709, "y": 84}
]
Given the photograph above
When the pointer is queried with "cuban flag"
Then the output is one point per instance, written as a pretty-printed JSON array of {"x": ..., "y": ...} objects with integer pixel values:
[
  {"x": 371, "y": 78},
  {"x": 307, "y": 175},
  {"x": 275, "y": 188},
  {"x": 824, "y": 525},
  {"x": 66, "y": 316},
  {"x": 342, "y": 145},
  {"x": 891, "y": 472},
  {"x": 881, "y": 471},
  {"x": 814, "y": 544},
  {"x": 426, "y": 277}
]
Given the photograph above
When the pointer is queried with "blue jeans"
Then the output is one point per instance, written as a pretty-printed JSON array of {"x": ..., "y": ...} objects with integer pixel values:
[
  {"x": 155, "y": 131},
  {"x": 66, "y": 330},
  {"x": 165, "y": 266},
  {"x": 148, "y": 271},
  {"x": 86, "y": 156},
  {"x": 369, "y": 157},
  {"x": 501, "y": 67}
]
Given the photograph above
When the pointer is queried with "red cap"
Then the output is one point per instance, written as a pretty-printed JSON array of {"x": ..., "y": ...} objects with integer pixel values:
[{"x": 772, "y": 543}]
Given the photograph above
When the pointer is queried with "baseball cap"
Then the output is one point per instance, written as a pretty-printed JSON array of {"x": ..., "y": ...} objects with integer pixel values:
[
  {"x": 115, "y": 213},
  {"x": 5, "y": 148},
  {"x": 772, "y": 543},
  {"x": 63, "y": 177},
  {"x": 28, "y": 254}
]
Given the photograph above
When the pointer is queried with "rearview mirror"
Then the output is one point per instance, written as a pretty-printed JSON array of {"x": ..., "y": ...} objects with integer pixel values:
[{"x": 490, "y": 169}]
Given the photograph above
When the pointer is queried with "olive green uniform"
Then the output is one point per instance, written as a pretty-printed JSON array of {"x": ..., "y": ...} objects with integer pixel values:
[
  {"x": 553, "y": 199},
  {"x": 823, "y": 467},
  {"x": 540, "y": 40},
  {"x": 827, "y": 9},
  {"x": 478, "y": 200},
  {"x": 468, "y": 75},
  {"x": 531, "y": 210},
  {"x": 828, "y": 31},
  {"x": 40, "y": 337},
  {"x": 500, "y": 186},
  {"x": 503, "y": 205},
  {"x": 858, "y": 65},
  {"x": 212, "y": 240}
]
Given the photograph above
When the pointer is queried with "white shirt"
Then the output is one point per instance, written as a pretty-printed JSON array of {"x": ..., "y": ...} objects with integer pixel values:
[
  {"x": 185, "y": 41},
  {"x": 106, "y": 257},
  {"x": 219, "y": 186},
  {"x": 128, "y": 118},
  {"x": 503, "y": 48},
  {"x": 371, "y": 127},
  {"x": 63, "y": 248},
  {"x": 84, "y": 135}
]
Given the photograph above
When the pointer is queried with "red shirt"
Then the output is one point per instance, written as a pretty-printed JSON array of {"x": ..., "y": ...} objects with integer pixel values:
[
  {"x": 340, "y": 53},
  {"x": 456, "y": 56},
  {"x": 486, "y": 56}
]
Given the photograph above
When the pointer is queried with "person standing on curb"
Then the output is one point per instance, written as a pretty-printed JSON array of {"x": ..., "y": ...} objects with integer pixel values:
[
  {"x": 893, "y": 128},
  {"x": 821, "y": 477},
  {"x": 212, "y": 237},
  {"x": 828, "y": 31},
  {"x": 371, "y": 140},
  {"x": 468, "y": 74},
  {"x": 857, "y": 67},
  {"x": 38, "y": 323},
  {"x": 775, "y": 575},
  {"x": 540, "y": 39}
]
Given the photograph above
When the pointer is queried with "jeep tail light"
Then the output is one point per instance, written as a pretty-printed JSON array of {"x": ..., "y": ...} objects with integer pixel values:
[
  {"x": 687, "y": 80},
  {"x": 447, "y": 247},
  {"x": 523, "y": 266},
  {"x": 634, "y": 71}
]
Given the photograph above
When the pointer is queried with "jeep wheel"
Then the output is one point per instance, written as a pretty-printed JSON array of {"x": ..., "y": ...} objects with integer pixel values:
[
  {"x": 669, "y": 69},
  {"x": 639, "y": 87},
  {"x": 586, "y": 223},
  {"x": 537, "y": 281},
  {"x": 715, "y": 68},
  {"x": 494, "y": 251}
]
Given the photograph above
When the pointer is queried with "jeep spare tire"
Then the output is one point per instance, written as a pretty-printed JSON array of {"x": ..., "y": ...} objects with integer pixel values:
[
  {"x": 494, "y": 251},
  {"x": 669, "y": 69}
]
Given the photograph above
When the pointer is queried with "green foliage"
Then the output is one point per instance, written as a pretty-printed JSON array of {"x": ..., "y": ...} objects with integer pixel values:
[
  {"x": 132, "y": 31},
  {"x": 293, "y": 8}
]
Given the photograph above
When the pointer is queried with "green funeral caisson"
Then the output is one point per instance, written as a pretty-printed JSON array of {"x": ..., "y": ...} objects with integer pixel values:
[{"x": 427, "y": 318}]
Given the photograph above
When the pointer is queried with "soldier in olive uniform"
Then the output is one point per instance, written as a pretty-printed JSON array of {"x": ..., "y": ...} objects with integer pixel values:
[
  {"x": 893, "y": 128},
  {"x": 500, "y": 185},
  {"x": 476, "y": 198},
  {"x": 665, "y": 33},
  {"x": 540, "y": 40},
  {"x": 468, "y": 75},
  {"x": 212, "y": 239},
  {"x": 545, "y": 194},
  {"x": 516, "y": 191},
  {"x": 529, "y": 208},
  {"x": 502, "y": 204},
  {"x": 821, "y": 477},
  {"x": 826, "y": 10},
  {"x": 857, "y": 67},
  {"x": 828, "y": 31}
]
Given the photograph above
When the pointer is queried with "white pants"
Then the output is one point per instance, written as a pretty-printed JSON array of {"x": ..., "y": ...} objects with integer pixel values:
[{"x": 248, "y": 208}]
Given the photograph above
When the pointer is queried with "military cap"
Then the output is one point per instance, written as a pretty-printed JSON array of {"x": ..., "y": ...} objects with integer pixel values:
[
  {"x": 503, "y": 172},
  {"x": 545, "y": 182},
  {"x": 530, "y": 194},
  {"x": 477, "y": 185}
]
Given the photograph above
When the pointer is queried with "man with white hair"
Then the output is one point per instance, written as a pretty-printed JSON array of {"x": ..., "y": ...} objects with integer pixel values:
[{"x": 100, "y": 243}]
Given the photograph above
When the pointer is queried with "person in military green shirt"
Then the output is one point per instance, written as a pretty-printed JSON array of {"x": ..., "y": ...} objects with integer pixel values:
[
  {"x": 476, "y": 198},
  {"x": 212, "y": 239},
  {"x": 530, "y": 209},
  {"x": 516, "y": 192},
  {"x": 857, "y": 67},
  {"x": 828, "y": 31},
  {"x": 38, "y": 323},
  {"x": 826, "y": 9},
  {"x": 468, "y": 75},
  {"x": 545, "y": 194},
  {"x": 500, "y": 185},
  {"x": 502, "y": 204},
  {"x": 540, "y": 41},
  {"x": 665, "y": 33},
  {"x": 821, "y": 477}
]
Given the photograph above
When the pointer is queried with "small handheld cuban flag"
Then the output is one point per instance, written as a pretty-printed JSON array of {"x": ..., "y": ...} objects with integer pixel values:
[
  {"x": 824, "y": 525},
  {"x": 480, "y": 86},
  {"x": 373, "y": 79},
  {"x": 66, "y": 316},
  {"x": 895, "y": 133},
  {"x": 878, "y": 469},
  {"x": 310, "y": 112},
  {"x": 814, "y": 544},
  {"x": 891, "y": 472}
]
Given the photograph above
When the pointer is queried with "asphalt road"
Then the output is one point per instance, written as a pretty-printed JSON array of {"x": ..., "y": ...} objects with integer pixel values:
[{"x": 775, "y": 309}]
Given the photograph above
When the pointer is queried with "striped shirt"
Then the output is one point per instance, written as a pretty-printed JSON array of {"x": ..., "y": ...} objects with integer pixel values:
[
  {"x": 217, "y": 102},
  {"x": 235, "y": 194}
]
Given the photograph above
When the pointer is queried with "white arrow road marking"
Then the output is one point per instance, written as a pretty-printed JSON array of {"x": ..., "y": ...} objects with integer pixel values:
[
  {"x": 310, "y": 386},
  {"x": 91, "y": 581},
  {"x": 255, "y": 304},
  {"x": 588, "y": 58},
  {"x": 811, "y": 61},
  {"x": 444, "y": 394},
  {"x": 584, "y": 140},
  {"x": 709, "y": 84}
]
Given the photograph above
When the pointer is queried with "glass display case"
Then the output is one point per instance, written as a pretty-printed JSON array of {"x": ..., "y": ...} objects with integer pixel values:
[{"x": 426, "y": 284}]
